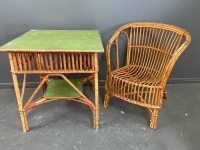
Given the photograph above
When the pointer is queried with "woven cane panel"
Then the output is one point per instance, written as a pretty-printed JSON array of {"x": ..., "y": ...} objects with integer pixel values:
[{"x": 53, "y": 62}]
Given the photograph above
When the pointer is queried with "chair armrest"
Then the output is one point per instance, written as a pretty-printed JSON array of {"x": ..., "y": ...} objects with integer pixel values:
[
  {"x": 175, "y": 56},
  {"x": 184, "y": 45},
  {"x": 113, "y": 42}
]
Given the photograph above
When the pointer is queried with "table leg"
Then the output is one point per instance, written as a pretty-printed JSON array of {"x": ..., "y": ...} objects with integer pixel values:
[
  {"x": 23, "y": 113},
  {"x": 96, "y": 92}
]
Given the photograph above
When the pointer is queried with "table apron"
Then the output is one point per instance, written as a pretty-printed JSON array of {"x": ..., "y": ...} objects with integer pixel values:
[{"x": 52, "y": 62}]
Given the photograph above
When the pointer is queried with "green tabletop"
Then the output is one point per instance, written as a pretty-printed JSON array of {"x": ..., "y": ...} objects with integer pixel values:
[{"x": 56, "y": 41}]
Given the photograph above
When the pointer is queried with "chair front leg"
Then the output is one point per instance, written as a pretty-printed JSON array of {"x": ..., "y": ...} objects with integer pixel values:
[
  {"x": 44, "y": 86},
  {"x": 154, "y": 118},
  {"x": 107, "y": 93}
]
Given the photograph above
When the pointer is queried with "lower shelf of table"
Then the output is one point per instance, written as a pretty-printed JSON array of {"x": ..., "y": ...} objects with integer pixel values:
[{"x": 60, "y": 88}]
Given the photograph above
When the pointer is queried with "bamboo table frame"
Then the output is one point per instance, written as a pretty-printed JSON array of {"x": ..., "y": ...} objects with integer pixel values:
[{"x": 55, "y": 53}]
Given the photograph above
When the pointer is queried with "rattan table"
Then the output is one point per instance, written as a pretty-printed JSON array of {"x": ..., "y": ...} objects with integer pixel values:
[{"x": 52, "y": 53}]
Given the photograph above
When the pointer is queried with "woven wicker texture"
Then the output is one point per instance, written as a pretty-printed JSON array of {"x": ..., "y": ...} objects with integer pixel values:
[{"x": 151, "y": 52}]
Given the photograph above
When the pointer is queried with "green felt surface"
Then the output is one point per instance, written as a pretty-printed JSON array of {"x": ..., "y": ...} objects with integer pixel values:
[
  {"x": 60, "y": 88},
  {"x": 56, "y": 40}
]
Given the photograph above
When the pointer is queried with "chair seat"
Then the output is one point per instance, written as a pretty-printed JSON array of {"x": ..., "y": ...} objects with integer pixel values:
[
  {"x": 137, "y": 75},
  {"x": 137, "y": 85}
]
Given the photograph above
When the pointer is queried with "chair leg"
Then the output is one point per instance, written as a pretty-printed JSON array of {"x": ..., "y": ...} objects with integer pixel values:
[
  {"x": 44, "y": 86},
  {"x": 107, "y": 93},
  {"x": 154, "y": 118},
  {"x": 106, "y": 99},
  {"x": 165, "y": 94}
]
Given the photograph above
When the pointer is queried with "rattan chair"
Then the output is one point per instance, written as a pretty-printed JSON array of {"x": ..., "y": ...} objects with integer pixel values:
[{"x": 151, "y": 52}]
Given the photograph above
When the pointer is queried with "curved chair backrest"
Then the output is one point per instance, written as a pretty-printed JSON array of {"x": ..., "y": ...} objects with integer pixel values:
[{"x": 153, "y": 45}]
